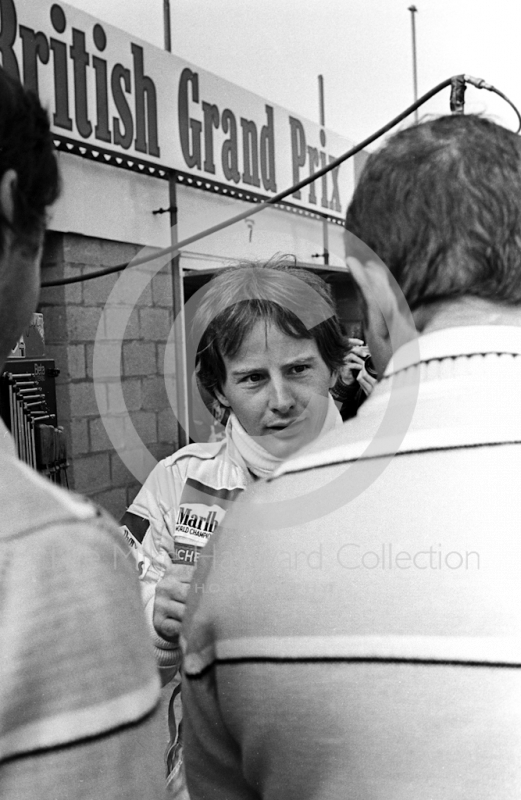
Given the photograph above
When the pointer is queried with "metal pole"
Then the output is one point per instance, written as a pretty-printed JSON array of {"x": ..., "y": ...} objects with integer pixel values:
[
  {"x": 413, "y": 11},
  {"x": 166, "y": 25},
  {"x": 181, "y": 368},
  {"x": 321, "y": 109},
  {"x": 322, "y": 113},
  {"x": 181, "y": 374}
]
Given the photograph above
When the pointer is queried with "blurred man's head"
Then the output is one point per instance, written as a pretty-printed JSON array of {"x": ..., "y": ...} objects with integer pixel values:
[
  {"x": 440, "y": 205},
  {"x": 29, "y": 184}
]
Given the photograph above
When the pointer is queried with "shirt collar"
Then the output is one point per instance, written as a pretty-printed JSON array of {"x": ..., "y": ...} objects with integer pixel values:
[{"x": 464, "y": 340}]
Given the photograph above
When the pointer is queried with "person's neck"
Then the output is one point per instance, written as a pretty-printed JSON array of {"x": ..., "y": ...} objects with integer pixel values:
[{"x": 465, "y": 311}]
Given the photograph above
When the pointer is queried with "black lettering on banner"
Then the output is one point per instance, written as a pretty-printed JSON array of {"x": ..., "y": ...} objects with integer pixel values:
[
  {"x": 250, "y": 152},
  {"x": 191, "y": 149},
  {"x": 34, "y": 47},
  {"x": 119, "y": 73},
  {"x": 81, "y": 60},
  {"x": 61, "y": 116},
  {"x": 144, "y": 86},
  {"x": 298, "y": 150},
  {"x": 323, "y": 161},
  {"x": 102, "y": 130},
  {"x": 267, "y": 152},
  {"x": 8, "y": 23},
  {"x": 211, "y": 121},
  {"x": 229, "y": 153},
  {"x": 313, "y": 162},
  {"x": 335, "y": 203}
]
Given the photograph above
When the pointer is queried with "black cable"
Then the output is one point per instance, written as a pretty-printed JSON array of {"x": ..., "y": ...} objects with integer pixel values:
[
  {"x": 457, "y": 81},
  {"x": 479, "y": 83},
  {"x": 250, "y": 212},
  {"x": 510, "y": 103}
]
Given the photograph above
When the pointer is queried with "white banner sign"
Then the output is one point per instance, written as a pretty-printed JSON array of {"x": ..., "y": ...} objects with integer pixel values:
[{"x": 104, "y": 88}]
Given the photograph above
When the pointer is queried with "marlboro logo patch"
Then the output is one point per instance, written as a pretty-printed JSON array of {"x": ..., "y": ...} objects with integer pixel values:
[
  {"x": 198, "y": 521},
  {"x": 201, "y": 510}
]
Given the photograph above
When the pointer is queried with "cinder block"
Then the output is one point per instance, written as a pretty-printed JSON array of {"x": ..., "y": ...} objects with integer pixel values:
[
  {"x": 121, "y": 325},
  {"x": 78, "y": 437},
  {"x": 132, "y": 394},
  {"x": 109, "y": 432},
  {"x": 79, "y": 249},
  {"x": 59, "y": 353},
  {"x": 155, "y": 324},
  {"x": 124, "y": 396},
  {"x": 162, "y": 290},
  {"x": 114, "y": 501},
  {"x": 91, "y": 473},
  {"x": 83, "y": 400},
  {"x": 54, "y": 267},
  {"x": 145, "y": 423},
  {"x": 76, "y": 362},
  {"x": 112, "y": 253},
  {"x": 70, "y": 360},
  {"x": 82, "y": 323},
  {"x": 63, "y": 402},
  {"x": 167, "y": 427},
  {"x": 120, "y": 475},
  {"x": 67, "y": 294},
  {"x": 55, "y": 325},
  {"x": 99, "y": 439},
  {"x": 154, "y": 394},
  {"x": 171, "y": 365},
  {"x": 145, "y": 298},
  {"x": 139, "y": 358},
  {"x": 108, "y": 359},
  {"x": 162, "y": 450},
  {"x": 137, "y": 459},
  {"x": 97, "y": 290},
  {"x": 101, "y": 395},
  {"x": 132, "y": 491}
]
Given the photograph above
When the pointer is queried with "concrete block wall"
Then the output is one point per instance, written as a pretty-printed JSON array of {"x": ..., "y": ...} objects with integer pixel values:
[{"x": 72, "y": 315}]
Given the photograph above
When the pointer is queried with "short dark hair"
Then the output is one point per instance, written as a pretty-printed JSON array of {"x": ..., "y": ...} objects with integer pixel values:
[
  {"x": 26, "y": 146},
  {"x": 440, "y": 204},
  {"x": 296, "y": 300}
]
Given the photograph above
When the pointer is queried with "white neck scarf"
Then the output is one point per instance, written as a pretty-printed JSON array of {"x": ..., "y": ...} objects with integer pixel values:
[{"x": 257, "y": 459}]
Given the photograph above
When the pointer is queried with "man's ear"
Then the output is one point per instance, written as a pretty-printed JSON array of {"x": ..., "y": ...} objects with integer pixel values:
[
  {"x": 7, "y": 188},
  {"x": 373, "y": 281},
  {"x": 222, "y": 399},
  {"x": 389, "y": 321}
]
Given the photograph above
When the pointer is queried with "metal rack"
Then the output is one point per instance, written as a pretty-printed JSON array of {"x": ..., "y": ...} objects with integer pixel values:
[{"x": 28, "y": 408}]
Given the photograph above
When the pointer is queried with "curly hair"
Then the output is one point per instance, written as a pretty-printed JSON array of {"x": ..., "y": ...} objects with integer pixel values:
[{"x": 440, "y": 204}]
